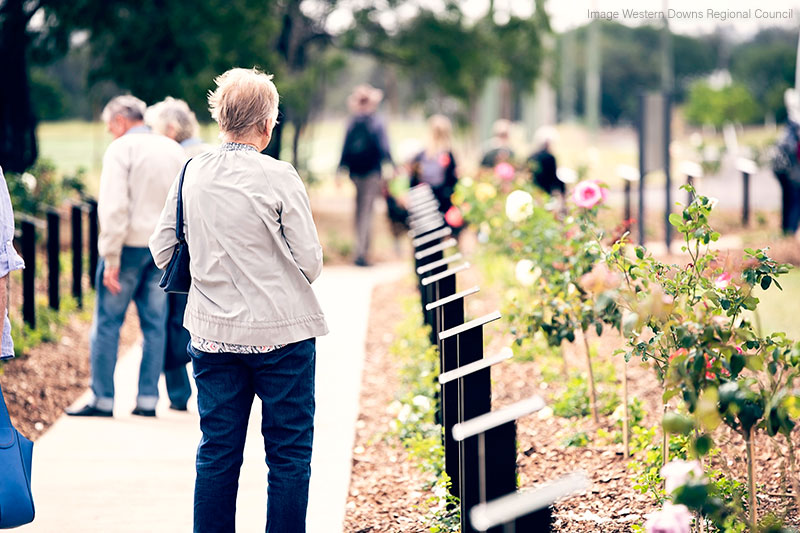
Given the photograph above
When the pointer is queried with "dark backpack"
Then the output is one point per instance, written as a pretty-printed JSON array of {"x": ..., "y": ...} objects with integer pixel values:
[{"x": 362, "y": 153}]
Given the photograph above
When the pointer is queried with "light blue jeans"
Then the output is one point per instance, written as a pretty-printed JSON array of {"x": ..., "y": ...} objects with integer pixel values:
[{"x": 139, "y": 278}]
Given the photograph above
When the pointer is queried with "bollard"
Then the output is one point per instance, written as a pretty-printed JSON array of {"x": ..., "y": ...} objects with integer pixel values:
[
  {"x": 496, "y": 437},
  {"x": 438, "y": 286},
  {"x": 93, "y": 235},
  {"x": 53, "y": 260},
  {"x": 511, "y": 510},
  {"x": 28, "y": 249},
  {"x": 77, "y": 253},
  {"x": 747, "y": 167},
  {"x": 474, "y": 398},
  {"x": 449, "y": 314}
]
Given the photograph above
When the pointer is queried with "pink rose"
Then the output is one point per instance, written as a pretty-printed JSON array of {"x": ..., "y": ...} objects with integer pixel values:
[
  {"x": 504, "y": 171},
  {"x": 723, "y": 280},
  {"x": 670, "y": 519},
  {"x": 453, "y": 217},
  {"x": 588, "y": 194},
  {"x": 676, "y": 473}
]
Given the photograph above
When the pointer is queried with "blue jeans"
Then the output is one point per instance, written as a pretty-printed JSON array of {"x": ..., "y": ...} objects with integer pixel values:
[
  {"x": 178, "y": 388},
  {"x": 226, "y": 387},
  {"x": 138, "y": 277}
]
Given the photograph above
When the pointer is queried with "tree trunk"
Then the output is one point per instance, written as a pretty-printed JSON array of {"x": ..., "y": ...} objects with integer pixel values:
[
  {"x": 298, "y": 129},
  {"x": 17, "y": 122},
  {"x": 273, "y": 149}
]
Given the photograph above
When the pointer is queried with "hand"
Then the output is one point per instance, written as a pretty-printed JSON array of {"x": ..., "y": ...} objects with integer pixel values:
[{"x": 111, "y": 280}]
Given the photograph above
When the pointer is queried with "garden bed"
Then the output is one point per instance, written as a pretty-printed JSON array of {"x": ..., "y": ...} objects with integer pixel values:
[
  {"x": 388, "y": 493},
  {"x": 52, "y": 375}
]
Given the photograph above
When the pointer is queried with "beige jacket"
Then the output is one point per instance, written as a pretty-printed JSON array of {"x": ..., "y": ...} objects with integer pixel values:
[
  {"x": 253, "y": 245},
  {"x": 138, "y": 170}
]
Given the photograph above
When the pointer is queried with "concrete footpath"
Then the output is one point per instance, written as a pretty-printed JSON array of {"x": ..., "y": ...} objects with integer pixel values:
[{"x": 131, "y": 474}]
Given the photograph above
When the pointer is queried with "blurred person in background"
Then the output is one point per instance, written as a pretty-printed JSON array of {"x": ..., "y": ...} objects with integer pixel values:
[
  {"x": 786, "y": 165},
  {"x": 366, "y": 148},
  {"x": 436, "y": 165},
  {"x": 252, "y": 314},
  {"x": 174, "y": 118},
  {"x": 499, "y": 146},
  {"x": 138, "y": 168},
  {"x": 543, "y": 163}
]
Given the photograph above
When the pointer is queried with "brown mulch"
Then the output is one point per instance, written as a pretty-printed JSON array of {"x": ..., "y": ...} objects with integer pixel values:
[
  {"x": 41, "y": 384},
  {"x": 387, "y": 492}
]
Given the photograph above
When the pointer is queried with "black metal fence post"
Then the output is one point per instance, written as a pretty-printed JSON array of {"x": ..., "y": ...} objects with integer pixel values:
[
  {"x": 449, "y": 314},
  {"x": 77, "y": 253},
  {"x": 474, "y": 399},
  {"x": 93, "y": 235},
  {"x": 745, "y": 198},
  {"x": 53, "y": 259},
  {"x": 496, "y": 436},
  {"x": 28, "y": 249}
]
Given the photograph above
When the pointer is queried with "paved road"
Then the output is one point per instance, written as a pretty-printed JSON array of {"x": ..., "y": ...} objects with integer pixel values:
[{"x": 129, "y": 474}]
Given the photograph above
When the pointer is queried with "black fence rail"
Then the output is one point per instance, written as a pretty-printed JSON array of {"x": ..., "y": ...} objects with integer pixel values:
[
  {"x": 480, "y": 445},
  {"x": 27, "y": 235}
]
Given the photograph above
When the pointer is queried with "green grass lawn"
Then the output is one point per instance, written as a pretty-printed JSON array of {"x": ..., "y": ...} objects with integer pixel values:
[{"x": 779, "y": 310}]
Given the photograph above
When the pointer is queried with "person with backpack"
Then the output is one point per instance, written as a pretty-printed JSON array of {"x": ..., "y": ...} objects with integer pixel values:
[{"x": 366, "y": 147}]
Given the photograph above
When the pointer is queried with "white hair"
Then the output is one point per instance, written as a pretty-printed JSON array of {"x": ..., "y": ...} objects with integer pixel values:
[
  {"x": 173, "y": 113},
  {"x": 245, "y": 99},
  {"x": 126, "y": 105}
]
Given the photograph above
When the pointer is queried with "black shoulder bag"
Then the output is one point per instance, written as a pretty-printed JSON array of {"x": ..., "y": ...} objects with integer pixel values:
[{"x": 177, "y": 277}]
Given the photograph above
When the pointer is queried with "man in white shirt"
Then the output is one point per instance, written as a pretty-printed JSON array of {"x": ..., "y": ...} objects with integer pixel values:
[{"x": 138, "y": 170}]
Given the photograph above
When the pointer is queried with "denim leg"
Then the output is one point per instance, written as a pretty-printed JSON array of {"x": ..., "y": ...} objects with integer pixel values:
[
  {"x": 109, "y": 315},
  {"x": 284, "y": 380},
  {"x": 224, "y": 399},
  {"x": 179, "y": 389},
  {"x": 151, "y": 303}
]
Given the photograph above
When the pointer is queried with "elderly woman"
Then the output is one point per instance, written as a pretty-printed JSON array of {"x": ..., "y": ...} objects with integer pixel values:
[
  {"x": 252, "y": 314},
  {"x": 174, "y": 118}
]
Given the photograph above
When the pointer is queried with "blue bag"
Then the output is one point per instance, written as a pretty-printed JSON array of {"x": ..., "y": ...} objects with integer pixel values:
[{"x": 16, "y": 500}]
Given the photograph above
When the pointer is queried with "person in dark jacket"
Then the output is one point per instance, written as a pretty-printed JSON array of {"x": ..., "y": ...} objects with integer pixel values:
[
  {"x": 543, "y": 165},
  {"x": 366, "y": 147}
]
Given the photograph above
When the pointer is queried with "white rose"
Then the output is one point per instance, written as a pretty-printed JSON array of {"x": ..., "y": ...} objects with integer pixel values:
[
  {"x": 519, "y": 206},
  {"x": 526, "y": 273}
]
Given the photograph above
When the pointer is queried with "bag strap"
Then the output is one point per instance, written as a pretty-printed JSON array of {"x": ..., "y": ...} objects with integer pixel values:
[
  {"x": 5, "y": 419},
  {"x": 179, "y": 220}
]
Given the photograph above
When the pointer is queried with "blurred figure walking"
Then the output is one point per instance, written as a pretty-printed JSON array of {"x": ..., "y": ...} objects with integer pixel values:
[
  {"x": 366, "y": 147},
  {"x": 173, "y": 118},
  {"x": 138, "y": 169},
  {"x": 436, "y": 166},
  {"x": 499, "y": 146},
  {"x": 786, "y": 165},
  {"x": 543, "y": 163}
]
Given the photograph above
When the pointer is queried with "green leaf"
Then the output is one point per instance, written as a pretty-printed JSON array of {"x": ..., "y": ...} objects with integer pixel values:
[
  {"x": 765, "y": 282},
  {"x": 703, "y": 444},
  {"x": 677, "y": 423},
  {"x": 737, "y": 363},
  {"x": 676, "y": 220},
  {"x": 640, "y": 252}
]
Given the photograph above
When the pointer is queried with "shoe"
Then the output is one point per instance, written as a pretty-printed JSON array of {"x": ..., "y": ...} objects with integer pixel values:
[
  {"x": 360, "y": 261},
  {"x": 175, "y": 407},
  {"x": 88, "y": 410},
  {"x": 143, "y": 412}
]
